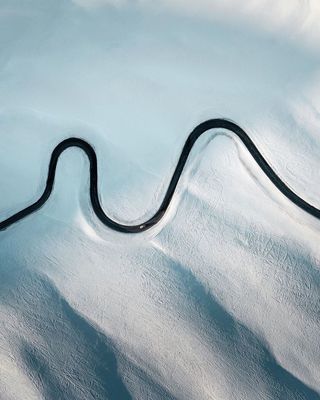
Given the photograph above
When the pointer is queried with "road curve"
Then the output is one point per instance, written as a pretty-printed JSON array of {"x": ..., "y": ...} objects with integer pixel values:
[{"x": 217, "y": 123}]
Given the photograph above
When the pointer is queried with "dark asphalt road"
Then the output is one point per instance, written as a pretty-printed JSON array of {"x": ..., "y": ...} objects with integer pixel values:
[{"x": 194, "y": 135}]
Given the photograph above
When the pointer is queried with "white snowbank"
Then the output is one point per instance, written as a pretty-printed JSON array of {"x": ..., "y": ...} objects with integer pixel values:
[{"x": 221, "y": 300}]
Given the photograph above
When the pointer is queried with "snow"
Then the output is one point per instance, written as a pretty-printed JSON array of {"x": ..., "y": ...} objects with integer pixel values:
[{"x": 221, "y": 299}]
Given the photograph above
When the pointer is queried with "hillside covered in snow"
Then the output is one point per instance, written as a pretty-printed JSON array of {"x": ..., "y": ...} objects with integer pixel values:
[{"x": 221, "y": 299}]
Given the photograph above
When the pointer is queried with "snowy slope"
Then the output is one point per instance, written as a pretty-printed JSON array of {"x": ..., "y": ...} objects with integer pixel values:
[{"x": 221, "y": 300}]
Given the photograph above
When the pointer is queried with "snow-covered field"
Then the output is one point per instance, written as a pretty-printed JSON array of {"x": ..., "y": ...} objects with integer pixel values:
[{"x": 221, "y": 300}]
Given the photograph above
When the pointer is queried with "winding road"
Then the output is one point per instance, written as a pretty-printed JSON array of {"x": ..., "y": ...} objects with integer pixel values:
[{"x": 217, "y": 123}]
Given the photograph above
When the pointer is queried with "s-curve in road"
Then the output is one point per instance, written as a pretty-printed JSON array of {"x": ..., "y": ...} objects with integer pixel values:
[{"x": 202, "y": 128}]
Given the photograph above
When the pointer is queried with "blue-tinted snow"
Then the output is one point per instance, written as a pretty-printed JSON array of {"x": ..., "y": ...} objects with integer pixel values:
[{"x": 221, "y": 300}]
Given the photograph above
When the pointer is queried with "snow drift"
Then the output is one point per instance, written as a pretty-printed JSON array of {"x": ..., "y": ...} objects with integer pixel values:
[{"x": 221, "y": 300}]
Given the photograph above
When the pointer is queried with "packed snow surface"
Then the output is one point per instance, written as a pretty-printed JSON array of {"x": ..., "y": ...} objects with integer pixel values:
[{"x": 221, "y": 300}]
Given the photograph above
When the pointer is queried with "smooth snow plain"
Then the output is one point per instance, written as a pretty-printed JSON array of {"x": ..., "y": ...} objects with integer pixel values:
[{"x": 221, "y": 300}]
